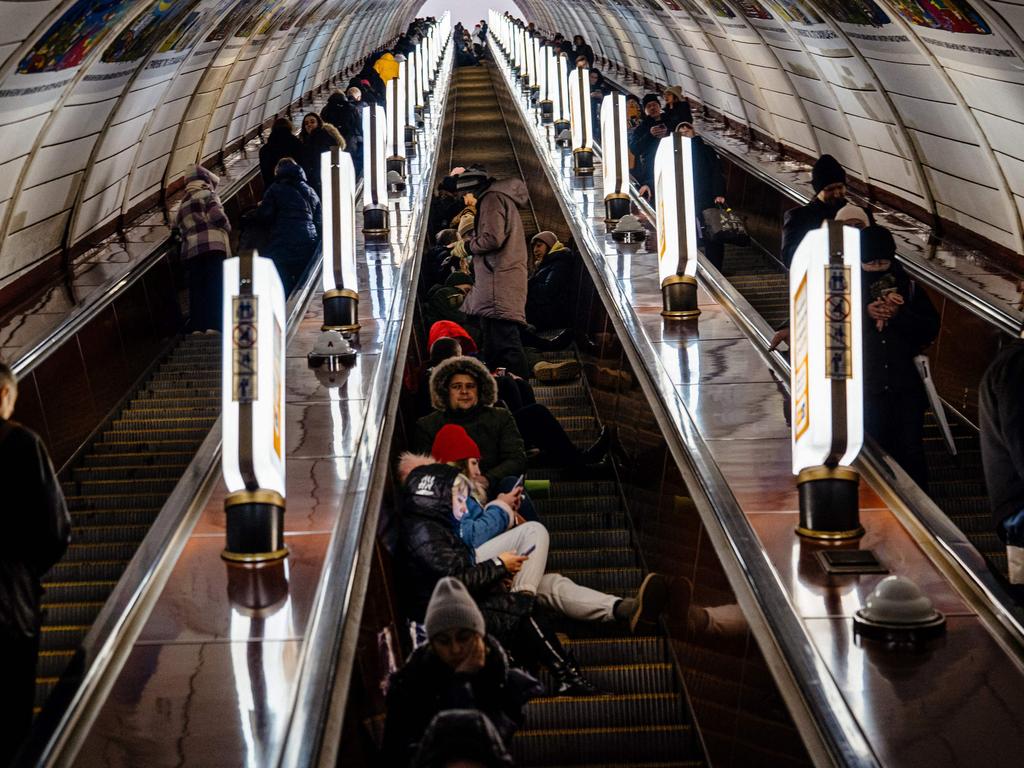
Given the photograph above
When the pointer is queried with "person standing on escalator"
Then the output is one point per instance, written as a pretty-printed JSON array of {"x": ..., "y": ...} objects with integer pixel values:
[
  {"x": 497, "y": 245},
  {"x": 37, "y": 533},
  {"x": 1002, "y": 450},
  {"x": 828, "y": 180}
]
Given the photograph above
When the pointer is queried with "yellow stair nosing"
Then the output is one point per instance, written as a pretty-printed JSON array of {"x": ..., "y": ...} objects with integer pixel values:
[{"x": 599, "y": 730}]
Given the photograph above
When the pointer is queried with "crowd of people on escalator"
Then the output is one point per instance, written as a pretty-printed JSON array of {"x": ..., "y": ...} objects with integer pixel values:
[
  {"x": 287, "y": 224},
  {"x": 472, "y": 551}
]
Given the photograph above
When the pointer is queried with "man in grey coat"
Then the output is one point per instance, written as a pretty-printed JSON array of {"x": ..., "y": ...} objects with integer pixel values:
[{"x": 498, "y": 248}]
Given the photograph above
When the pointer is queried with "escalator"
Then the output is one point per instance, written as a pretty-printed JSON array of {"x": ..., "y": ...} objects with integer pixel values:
[
  {"x": 116, "y": 489},
  {"x": 956, "y": 483},
  {"x": 643, "y": 719}
]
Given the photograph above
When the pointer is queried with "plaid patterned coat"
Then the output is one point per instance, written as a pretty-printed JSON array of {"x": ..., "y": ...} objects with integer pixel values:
[{"x": 201, "y": 219}]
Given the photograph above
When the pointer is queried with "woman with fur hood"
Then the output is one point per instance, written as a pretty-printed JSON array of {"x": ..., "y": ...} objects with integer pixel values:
[
  {"x": 463, "y": 392},
  {"x": 205, "y": 243}
]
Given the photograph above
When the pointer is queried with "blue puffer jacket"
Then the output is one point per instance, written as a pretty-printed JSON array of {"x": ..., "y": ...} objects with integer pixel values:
[
  {"x": 292, "y": 209},
  {"x": 482, "y": 523}
]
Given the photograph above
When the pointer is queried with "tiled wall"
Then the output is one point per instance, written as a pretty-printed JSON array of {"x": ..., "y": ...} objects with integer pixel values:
[{"x": 104, "y": 103}]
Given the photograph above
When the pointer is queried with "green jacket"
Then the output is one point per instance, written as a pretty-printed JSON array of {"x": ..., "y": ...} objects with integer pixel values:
[
  {"x": 493, "y": 430},
  {"x": 443, "y": 303}
]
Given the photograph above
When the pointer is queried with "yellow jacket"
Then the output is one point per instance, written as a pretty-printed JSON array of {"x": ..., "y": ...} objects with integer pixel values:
[{"x": 386, "y": 67}]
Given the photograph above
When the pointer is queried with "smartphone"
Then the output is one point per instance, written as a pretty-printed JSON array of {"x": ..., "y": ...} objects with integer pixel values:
[
  {"x": 519, "y": 482},
  {"x": 529, "y": 550}
]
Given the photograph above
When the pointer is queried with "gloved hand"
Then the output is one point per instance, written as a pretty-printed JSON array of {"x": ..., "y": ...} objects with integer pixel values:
[{"x": 460, "y": 251}]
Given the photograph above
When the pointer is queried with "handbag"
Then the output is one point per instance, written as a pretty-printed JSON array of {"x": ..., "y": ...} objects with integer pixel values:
[{"x": 724, "y": 225}]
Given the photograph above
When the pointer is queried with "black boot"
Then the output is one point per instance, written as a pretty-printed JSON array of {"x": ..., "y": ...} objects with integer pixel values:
[
  {"x": 555, "y": 344},
  {"x": 568, "y": 680}
]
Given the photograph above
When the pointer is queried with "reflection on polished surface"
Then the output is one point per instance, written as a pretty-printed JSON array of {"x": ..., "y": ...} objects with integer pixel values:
[
  {"x": 718, "y": 393},
  {"x": 212, "y": 678}
]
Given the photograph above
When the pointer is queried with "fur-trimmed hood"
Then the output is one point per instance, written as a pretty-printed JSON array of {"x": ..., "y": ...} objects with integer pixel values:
[
  {"x": 486, "y": 387},
  {"x": 408, "y": 461}
]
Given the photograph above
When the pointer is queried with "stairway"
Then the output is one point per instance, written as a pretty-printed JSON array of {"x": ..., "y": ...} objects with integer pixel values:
[
  {"x": 643, "y": 720},
  {"x": 116, "y": 490}
]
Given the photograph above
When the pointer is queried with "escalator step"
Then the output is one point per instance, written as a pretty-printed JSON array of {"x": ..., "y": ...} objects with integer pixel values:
[
  {"x": 606, "y": 711},
  {"x": 589, "y": 745},
  {"x": 562, "y": 559},
  {"x": 163, "y": 434},
  {"x": 78, "y": 553},
  {"x": 939, "y": 488},
  {"x": 53, "y": 639},
  {"x": 95, "y": 570},
  {"x": 964, "y": 505},
  {"x": 578, "y": 504},
  {"x": 616, "y": 581},
  {"x": 611, "y": 650},
  {"x": 114, "y": 517},
  {"x": 575, "y": 521},
  {"x": 116, "y": 501},
  {"x": 565, "y": 489},
  {"x": 628, "y": 678},
  {"x": 124, "y": 445},
  {"x": 77, "y": 591},
  {"x": 135, "y": 486},
  {"x": 53, "y": 663},
  {"x": 73, "y": 614},
  {"x": 115, "y": 460},
  {"x": 44, "y": 686},
  {"x": 587, "y": 539},
  {"x": 110, "y": 534},
  {"x": 170, "y": 470}
]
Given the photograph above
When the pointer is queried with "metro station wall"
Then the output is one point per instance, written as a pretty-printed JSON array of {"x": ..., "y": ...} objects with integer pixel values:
[
  {"x": 105, "y": 103},
  {"x": 923, "y": 102}
]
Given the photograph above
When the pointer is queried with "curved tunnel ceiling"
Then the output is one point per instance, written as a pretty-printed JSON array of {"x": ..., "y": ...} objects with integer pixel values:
[
  {"x": 923, "y": 99},
  {"x": 104, "y": 103}
]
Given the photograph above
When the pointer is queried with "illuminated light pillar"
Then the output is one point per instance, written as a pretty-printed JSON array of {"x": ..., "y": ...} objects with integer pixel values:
[
  {"x": 560, "y": 93},
  {"x": 615, "y": 159},
  {"x": 677, "y": 227},
  {"x": 535, "y": 61},
  {"x": 417, "y": 78},
  {"x": 524, "y": 59},
  {"x": 410, "y": 98},
  {"x": 827, "y": 384},
  {"x": 395, "y": 100},
  {"x": 252, "y": 401},
  {"x": 582, "y": 121},
  {"x": 340, "y": 283},
  {"x": 547, "y": 62},
  {"x": 375, "y": 191}
]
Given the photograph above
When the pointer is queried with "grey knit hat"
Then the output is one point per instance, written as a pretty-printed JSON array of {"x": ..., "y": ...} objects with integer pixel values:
[
  {"x": 547, "y": 237},
  {"x": 451, "y": 607},
  {"x": 487, "y": 389}
]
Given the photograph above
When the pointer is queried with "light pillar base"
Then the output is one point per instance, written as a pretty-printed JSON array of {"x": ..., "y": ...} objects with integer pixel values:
[
  {"x": 375, "y": 222},
  {"x": 583, "y": 161},
  {"x": 341, "y": 311},
  {"x": 255, "y": 527},
  {"x": 679, "y": 297},
  {"x": 829, "y": 505},
  {"x": 615, "y": 207}
]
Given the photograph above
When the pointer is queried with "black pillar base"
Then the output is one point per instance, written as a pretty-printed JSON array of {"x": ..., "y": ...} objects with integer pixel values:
[
  {"x": 410, "y": 136},
  {"x": 829, "y": 507},
  {"x": 341, "y": 311},
  {"x": 583, "y": 161},
  {"x": 258, "y": 590},
  {"x": 419, "y": 117},
  {"x": 255, "y": 527},
  {"x": 396, "y": 164},
  {"x": 547, "y": 108},
  {"x": 679, "y": 297},
  {"x": 615, "y": 207},
  {"x": 375, "y": 222},
  {"x": 561, "y": 126}
]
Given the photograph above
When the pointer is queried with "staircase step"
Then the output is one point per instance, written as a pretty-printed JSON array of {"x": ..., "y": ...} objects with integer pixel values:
[
  {"x": 77, "y": 591},
  {"x": 616, "y": 710},
  {"x": 114, "y": 517},
  {"x": 587, "y": 539},
  {"x": 110, "y": 534},
  {"x": 564, "y": 559},
  {"x": 115, "y": 461},
  {"x": 53, "y": 663},
  {"x": 576, "y": 521},
  {"x": 132, "y": 487},
  {"x": 115, "y": 501},
  {"x": 577, "y": 505},
  {"x": 95, "y": 570},
  {"x": 73, "y": 614},
  {"x": 588, "y": 745},
  {"x": 603, "y": 651},
  {"x": 93, "y": 552},
  {"x": 617, "y": 581},
  {"x": 61, "y": 638},
  {"x": 135, "y": 472}
]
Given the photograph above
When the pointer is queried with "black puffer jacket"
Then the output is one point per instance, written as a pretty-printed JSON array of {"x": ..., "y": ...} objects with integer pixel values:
[
  {"x": 426, "y": 686},
  {"x": 431, "y": 549},
  {"x": 38, "y": 527},
  {"x": 547, "y": 292},
  {"x": 457, "y": 735}
]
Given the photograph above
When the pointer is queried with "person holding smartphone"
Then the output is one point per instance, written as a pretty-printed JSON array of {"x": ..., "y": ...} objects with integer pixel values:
[{"x": 643, "y": 140}]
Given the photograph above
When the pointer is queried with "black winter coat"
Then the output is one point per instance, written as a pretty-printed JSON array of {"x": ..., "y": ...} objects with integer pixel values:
[
  {"x": 799, "y": 221},
  {"x": 38, "y": 527},
  {"x": 313, "y": 146},
  {"x": 493, "y": 429},
  {"x": 680, "y": 112},
  {"x": 707, "y": 176},
  {"x": 644, "y": 146},
  {"x": 426, "y": 686},
  {"x": 431, "y": 549},
  {"x": 889, "y": 353},
  {"x": 292, "y": 209},
  {"x": 344, "y": 115},
  {"x": 280, "y": 144},
  {"x": 548, "y": 289},
  {"x": 1002, "y": 432}
]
